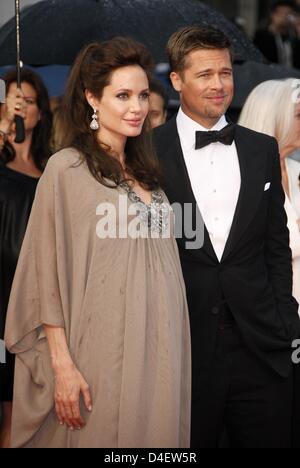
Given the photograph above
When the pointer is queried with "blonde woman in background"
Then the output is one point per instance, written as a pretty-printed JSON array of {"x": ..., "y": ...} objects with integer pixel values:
[{"x": 273, "y": 108}]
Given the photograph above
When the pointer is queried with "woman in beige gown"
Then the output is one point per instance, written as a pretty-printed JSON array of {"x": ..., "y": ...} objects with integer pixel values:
[{"x": 98, "y": 320}]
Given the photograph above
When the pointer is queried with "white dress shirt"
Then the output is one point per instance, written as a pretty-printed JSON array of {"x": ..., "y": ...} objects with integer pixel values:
[{"x": 215, "y": 177}]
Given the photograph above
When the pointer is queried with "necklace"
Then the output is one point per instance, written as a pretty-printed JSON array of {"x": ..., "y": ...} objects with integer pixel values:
[{"x": 156, "y": 214}]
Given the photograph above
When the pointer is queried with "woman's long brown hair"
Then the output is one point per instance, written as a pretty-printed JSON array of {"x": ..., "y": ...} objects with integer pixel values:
[{"x": 92, "y": 71}]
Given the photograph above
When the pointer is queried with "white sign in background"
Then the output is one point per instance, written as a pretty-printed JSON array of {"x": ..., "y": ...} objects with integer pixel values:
[
  {"x": 2, "y": 352},
  {"x": 2, "y": 91}
]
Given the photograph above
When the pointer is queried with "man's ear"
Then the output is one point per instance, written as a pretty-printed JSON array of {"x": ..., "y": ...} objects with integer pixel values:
[
  {"x": 93, "y": 102},
  {"x": 176, "y": 81}
]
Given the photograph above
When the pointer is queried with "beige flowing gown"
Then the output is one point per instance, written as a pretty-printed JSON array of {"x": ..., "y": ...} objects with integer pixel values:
[{"x": 123, "y": 306}]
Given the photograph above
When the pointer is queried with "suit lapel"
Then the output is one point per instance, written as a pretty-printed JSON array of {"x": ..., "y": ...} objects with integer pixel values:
[{"x": 253, "y": 168}]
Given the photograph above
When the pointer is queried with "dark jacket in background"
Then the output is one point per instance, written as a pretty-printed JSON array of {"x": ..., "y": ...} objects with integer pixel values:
[{"x": 265, "y": 41}]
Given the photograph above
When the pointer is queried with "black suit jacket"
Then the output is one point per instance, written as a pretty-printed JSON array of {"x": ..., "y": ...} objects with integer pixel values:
[{"x": 255, "y": 273}]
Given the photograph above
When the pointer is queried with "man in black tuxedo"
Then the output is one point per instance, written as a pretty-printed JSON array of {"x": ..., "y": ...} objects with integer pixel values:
[{"x": 239, "y": 283}]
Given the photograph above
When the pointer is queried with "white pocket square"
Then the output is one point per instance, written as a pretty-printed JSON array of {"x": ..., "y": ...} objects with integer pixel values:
[{"x": 267, "y": 186}]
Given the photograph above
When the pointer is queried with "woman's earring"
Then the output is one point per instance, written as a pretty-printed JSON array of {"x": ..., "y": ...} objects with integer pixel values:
[{"x": 94, "y": 124}]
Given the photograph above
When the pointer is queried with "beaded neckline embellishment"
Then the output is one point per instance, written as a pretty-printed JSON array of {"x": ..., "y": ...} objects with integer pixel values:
[{"x": 154, "y": 215}]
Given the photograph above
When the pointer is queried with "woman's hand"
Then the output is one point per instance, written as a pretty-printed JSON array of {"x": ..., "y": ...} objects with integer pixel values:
[
  {"x": 69, "y": 384},
  {"x": 15, "y": 105}
]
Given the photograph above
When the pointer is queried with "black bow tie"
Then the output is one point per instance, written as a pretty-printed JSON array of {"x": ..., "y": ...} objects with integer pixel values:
[{"x": 225, "y": 136}]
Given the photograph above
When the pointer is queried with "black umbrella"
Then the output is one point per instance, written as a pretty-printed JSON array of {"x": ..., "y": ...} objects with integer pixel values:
[{"x": 54, "y": 31}]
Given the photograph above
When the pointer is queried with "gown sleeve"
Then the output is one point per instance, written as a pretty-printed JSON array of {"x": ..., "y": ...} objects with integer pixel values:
[{"x": 35, "y": 296}]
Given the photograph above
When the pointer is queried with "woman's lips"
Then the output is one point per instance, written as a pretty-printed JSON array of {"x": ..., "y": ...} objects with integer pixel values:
[{"x": 134, "y": 123}]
